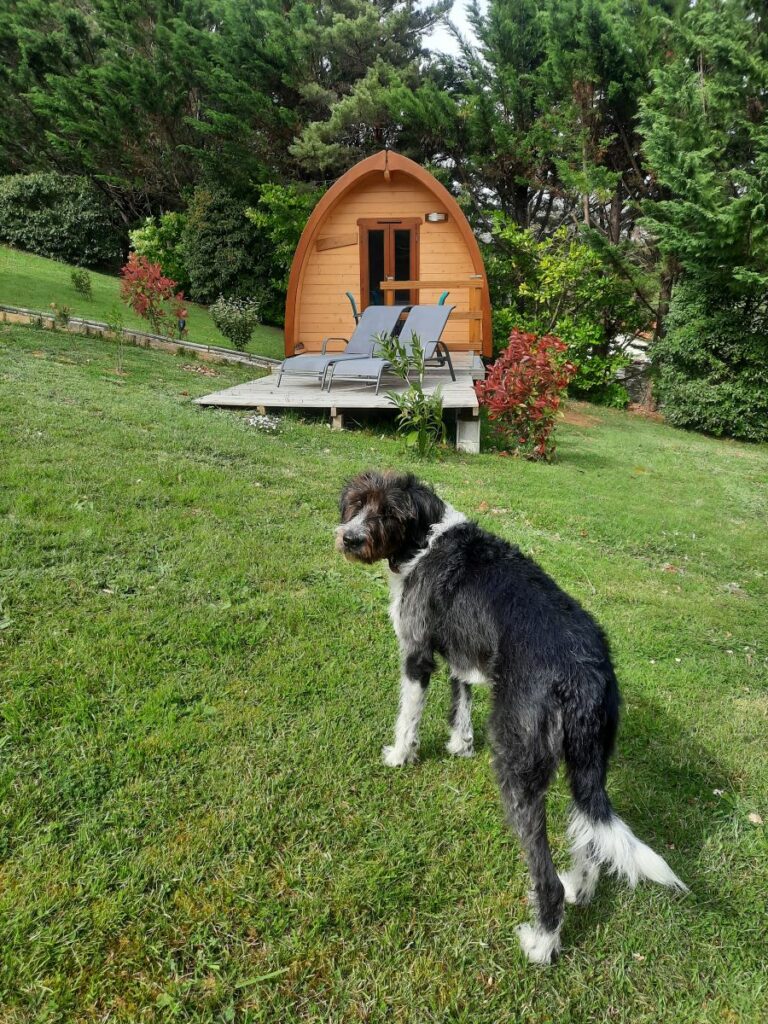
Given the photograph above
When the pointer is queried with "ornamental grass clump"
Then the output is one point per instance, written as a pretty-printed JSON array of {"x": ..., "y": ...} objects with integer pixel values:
[
  {"x": 523, "y": 391},
  {"x": 236, "y": 319}
]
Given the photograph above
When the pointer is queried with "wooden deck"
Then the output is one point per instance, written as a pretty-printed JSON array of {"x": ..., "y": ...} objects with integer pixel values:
[{"x": 346, "y": 396}]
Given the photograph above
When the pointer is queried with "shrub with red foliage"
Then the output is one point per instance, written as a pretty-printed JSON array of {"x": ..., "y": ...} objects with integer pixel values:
[
  {"x": 523, "y": 391},
  {"x": 152, "y": 295}
]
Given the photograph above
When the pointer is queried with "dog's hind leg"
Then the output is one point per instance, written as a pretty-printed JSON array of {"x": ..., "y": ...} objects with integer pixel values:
[
  {"x": 461, "y": 742},
  {"x": 588, "y": 785},
  {"x": 524, "y": 799},
  {"x": 414, "y": 680}
]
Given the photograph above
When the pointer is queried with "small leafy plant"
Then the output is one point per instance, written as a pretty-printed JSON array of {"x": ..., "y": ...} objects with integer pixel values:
[
  {"x": 152, "y": 295},
  {"x": 62, "y": 314},
  {"x": 420, "y": 416},
  {"x": 81, "y": 282},
  {"x": 523, "y": 391},
  {"x": 236, "y": 319},
  {"x": 116, "y": 325}
]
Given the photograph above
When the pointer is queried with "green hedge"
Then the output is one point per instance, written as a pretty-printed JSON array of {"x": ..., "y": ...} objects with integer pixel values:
[
  {"x": 222, "y": 249},
  {"x": 59, "y": 216},
  {"x": 161, "y": 240},
  {"x": 712, "y": 365}
]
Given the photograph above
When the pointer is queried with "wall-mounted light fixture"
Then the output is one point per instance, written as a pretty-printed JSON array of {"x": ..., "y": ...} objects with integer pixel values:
[{"x": 436, "y": 218}]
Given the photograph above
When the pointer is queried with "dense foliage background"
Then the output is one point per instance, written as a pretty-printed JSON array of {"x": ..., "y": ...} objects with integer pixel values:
[{"x": 605, "y": 150}]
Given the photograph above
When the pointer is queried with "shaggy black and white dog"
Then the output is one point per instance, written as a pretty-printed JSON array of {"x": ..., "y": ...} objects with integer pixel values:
[{"x": 499, "y": 620}]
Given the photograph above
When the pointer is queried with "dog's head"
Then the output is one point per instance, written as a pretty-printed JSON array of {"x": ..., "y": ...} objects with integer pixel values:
[{"x": 386, "y": 515}]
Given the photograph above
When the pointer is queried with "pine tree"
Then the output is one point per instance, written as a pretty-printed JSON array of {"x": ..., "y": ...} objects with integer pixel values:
[
  {"x": 706, "y": 142},
  {"x": 507, "y": 103},
  {"x": 110, "y": 91},
  {"x": 364, "y": 56}
]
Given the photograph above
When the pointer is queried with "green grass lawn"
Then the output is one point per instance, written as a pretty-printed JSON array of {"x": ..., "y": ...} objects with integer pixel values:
[
  {"x": 35, "y": 282},
  {"x": 196, "y": 825}
]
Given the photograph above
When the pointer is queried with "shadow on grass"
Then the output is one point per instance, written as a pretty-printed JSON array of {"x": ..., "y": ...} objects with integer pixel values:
[
  {"x": 658, "y": 759},
  {"x": 582, "y": 460},
  {"x": 661, "y": 784}
]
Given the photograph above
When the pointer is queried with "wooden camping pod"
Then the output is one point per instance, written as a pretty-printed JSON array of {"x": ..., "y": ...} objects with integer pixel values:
[{"x": 372, "y": 226}]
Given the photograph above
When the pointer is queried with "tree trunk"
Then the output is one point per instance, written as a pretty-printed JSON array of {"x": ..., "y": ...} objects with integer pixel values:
[
  {"x": 520, "y": 198},
  {"x": 616, "y": 207},
  {"x": 670, "y": 272},
  {"x": 586, "y": 194}
]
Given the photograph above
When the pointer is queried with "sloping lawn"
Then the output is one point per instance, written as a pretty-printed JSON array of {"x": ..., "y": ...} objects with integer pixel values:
[
  {"x": 35, "y": 282},
  {"x": 196, "y": 688}
]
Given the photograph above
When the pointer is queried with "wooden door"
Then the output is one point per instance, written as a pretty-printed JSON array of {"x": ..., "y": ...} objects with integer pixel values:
[{"x": 389, "y": 249}]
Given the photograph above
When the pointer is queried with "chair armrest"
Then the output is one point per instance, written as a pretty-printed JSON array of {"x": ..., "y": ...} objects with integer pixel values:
[{"x": 326, "y": 340}]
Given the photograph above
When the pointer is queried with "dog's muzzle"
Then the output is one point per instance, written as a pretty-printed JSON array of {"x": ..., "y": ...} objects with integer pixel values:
[
  {"x": 349, "y": 541},
  {"x": 353, "y": 542}
]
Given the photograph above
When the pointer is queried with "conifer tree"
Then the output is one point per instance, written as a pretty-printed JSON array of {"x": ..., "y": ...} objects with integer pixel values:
[{"x": 706, "y": 142}]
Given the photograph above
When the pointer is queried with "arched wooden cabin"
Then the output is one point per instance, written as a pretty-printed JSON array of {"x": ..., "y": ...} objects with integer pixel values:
[{"x": 385, "y": 220}]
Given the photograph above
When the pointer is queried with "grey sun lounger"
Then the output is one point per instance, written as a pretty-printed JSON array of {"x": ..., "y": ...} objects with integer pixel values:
[
  {"x": 373, "y": 321},
  {"x": 426, "y": 323}
]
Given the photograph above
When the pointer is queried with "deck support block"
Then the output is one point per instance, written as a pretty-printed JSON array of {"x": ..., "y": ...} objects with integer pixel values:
[
  {"x": 468, "y": 431},
  {"x": 337, "y": 419}
]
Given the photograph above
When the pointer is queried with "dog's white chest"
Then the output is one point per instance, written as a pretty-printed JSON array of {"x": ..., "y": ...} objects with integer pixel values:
[{"x": 395, "y": 601}]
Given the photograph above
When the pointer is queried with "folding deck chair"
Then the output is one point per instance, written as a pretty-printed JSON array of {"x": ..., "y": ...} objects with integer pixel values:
[
  {"x": 426, "y": 323},
  {"x": 373, "y": 321}
]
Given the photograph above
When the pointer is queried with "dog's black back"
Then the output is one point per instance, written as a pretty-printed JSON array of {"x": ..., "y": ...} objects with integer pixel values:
[{"x": 547, "y": 660}]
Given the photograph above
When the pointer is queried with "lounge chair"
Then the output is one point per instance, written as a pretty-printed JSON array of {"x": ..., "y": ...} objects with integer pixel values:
[
  {"x": 373, "y": 321},
  {"x": 426, "y": 323}
]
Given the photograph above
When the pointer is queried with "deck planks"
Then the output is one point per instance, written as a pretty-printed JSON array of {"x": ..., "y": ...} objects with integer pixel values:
[{"x": 305, "y": 393}]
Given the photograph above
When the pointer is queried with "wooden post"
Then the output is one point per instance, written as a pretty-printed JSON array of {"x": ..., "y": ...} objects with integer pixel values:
[
  {"x": 475, "y": 326},
  {"x": 337, "y": 419}
]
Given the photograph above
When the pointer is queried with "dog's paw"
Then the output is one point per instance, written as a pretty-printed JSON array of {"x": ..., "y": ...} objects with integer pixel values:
[
  {"x": 570, "y": 881},
  {"x": 541, "y": 947},
  {"x": 459, "y": 747},
  {"x": 394, "y": 758},
  {"x": 579, "y": 885}
]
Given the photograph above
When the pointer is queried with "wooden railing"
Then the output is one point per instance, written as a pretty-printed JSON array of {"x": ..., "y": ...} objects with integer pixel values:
[{"x": 475, "y": 286}]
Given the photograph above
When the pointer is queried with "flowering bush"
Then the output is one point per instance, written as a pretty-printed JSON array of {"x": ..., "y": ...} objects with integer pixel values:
[
  {"x": 523, "y": 391},
  {"x": 152, "y": 295},
  {"x": 236, "y": 319}
]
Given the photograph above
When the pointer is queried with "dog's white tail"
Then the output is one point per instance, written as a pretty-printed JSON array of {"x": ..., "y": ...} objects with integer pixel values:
[{"x": 613, "y": 844}]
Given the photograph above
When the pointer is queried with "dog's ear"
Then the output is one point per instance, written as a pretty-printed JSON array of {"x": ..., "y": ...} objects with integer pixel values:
[
  {"x": 426, "y": 508},
  {"x": 368, "y": 480}
]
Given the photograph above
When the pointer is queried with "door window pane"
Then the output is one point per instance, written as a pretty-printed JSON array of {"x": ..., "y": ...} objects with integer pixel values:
[
  {"x": 402, "y": 262},
  {"x": 376, "y": 271}
]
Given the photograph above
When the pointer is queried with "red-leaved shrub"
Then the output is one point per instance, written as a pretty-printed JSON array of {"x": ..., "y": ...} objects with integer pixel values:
[
  {"x": 152, "y": 295},
  {"x": 523, "y": 390}
]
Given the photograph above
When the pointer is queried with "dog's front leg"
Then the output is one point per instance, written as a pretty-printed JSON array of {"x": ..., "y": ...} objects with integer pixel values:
[{"x": 414, "y": 681}]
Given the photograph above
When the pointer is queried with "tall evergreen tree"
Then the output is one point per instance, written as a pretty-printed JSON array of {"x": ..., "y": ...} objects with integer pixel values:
[
  {"x": 366, "y": 55},
  {"x": 706, "y": 143},
  {"x": 110, "y": 90},
  {"x": 506, "y": 104}
]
